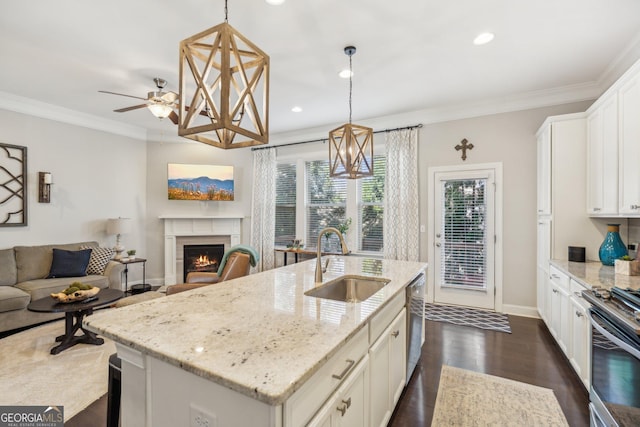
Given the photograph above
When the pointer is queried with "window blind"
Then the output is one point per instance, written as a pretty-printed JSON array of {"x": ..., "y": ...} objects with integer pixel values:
[
  {"x": 325, "y": 201},
  {"x": 285, "y": 231},
  {"x": 464, "y": 233},
  {"x": 371, "y": 208}
]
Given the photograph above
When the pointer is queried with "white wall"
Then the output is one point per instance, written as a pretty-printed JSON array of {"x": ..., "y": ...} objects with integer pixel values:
[
  {"x": 159, "y": 154},
  {"x": 96, "y": 175},
  {"x": 508, "y": 138}
]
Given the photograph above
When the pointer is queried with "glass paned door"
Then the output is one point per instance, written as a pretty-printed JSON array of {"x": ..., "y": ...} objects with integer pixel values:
[{"x": 464, "y": 238}]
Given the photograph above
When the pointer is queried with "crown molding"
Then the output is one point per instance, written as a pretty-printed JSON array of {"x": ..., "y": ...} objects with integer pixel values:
[
  {"x": 43, "y": 110},
  {"x": 621, "y": 64}
]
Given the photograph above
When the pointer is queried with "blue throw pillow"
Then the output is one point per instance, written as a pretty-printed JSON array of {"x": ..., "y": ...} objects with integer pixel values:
[{"x": 69, "y": 263}]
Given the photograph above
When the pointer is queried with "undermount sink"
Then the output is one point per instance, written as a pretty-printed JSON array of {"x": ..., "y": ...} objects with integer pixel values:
[{"x": 348, "y": 288}]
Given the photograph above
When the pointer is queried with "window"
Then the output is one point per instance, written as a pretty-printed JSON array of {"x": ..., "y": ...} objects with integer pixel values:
[
  {"x": 329, "y": 202},
  {"x": 326, "y": 202},
  {"x": 371, "y": 208},
  {"x": 285, "y": 204}
]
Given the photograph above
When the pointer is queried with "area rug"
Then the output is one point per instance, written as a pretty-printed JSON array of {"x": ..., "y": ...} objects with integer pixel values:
[
  {"x": 75, "y": 378},
  {"x": 468, "y": 317},
  {"x": 467, "y": 398}
]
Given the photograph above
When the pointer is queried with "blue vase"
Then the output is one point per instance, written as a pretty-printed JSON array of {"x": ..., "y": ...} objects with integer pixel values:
[{"x": 612, "y": 247}]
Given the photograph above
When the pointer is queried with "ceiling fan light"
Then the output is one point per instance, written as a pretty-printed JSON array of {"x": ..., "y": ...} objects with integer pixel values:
[{"x": 161, "y": 111}]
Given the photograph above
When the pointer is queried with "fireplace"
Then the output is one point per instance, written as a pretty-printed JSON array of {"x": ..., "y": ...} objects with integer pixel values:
[
  {"x": 202, "y": 258},
  {"x": 195, "y": 230}
]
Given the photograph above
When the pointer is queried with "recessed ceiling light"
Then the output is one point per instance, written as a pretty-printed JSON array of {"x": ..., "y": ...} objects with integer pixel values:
[
  {"x": 345, "y": 74},
  {"x": 483, "y": 38},
  {"x": 275, "y": 2},
  {"x": 297, "y": 109}
]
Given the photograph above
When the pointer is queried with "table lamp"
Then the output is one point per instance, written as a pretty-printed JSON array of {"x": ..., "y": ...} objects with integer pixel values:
[{"x": 118, "y": 226}]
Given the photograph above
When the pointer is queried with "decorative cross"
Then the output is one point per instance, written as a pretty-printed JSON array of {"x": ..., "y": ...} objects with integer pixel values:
[{"x": 464, "y": 147}]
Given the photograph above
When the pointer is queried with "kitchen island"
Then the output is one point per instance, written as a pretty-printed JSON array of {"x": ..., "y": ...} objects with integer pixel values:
[{"x": 258, "y": 351}]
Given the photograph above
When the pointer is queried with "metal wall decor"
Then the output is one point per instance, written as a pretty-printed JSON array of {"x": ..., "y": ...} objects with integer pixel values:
[
  {"x": 351, "y": 146},
  {"x": 464, "y": 146},
  {"x": 224, "y": 89},
  {"x": 13, "y": 184}
]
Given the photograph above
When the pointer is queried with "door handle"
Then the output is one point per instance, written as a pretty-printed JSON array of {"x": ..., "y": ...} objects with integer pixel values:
[{"x": 438, "y": 245}]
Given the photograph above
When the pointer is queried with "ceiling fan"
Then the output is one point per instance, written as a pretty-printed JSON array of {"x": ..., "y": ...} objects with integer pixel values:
[{"x": 161, "y": 104}]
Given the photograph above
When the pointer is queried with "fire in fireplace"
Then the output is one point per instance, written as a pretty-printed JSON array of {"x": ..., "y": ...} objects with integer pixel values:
[{"x": 202, "y": 258}]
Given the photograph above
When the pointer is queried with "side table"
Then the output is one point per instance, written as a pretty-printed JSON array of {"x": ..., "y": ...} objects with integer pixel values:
[{"x": 139, "y": 288}]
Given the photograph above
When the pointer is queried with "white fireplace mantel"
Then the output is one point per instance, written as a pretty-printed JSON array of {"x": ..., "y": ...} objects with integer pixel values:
[{"x": 189, "y": 225}]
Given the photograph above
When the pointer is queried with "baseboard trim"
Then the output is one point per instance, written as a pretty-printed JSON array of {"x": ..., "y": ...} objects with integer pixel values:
[{"x": 521, "y": 310}]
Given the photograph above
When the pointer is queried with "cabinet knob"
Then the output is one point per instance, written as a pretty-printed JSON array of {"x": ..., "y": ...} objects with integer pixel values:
[
  {"x": 395, "y": 334},
  {"x": 343, "y": 408},
  {"x": 635, "y": 206},
  {"x": 555, "y": 291},
  {"x": 579, "y": 314},
  {"x": 438, "y": 244},
  {"x": 597, "y": 209}
]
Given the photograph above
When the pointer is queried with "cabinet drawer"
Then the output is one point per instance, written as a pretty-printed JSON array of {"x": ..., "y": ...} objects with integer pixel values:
[
  {"x": 305, "y": 402},
  {"x": 383, "y": 319},
  {"x": 559, "y": 278}
]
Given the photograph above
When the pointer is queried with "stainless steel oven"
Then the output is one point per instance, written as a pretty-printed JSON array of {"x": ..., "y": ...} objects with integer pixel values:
[{"x": 615, "y": 357}]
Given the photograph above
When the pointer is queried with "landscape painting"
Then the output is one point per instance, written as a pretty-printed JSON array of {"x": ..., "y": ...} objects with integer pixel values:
[{"x": 200, "y": 182}]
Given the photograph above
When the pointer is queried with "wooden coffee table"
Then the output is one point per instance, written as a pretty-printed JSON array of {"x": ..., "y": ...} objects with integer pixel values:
[{"x": 74, "y": 313}]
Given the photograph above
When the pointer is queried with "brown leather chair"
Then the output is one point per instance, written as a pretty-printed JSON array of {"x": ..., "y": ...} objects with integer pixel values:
[{"x": 238, "y": 265}]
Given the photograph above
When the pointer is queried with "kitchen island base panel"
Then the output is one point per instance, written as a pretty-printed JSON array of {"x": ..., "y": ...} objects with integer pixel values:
[{"x": 159, "y": 394}]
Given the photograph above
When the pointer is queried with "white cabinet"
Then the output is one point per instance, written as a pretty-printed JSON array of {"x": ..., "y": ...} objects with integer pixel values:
[
  {"x": 602, "y": 158},
  {"x": 559, "y": 324},
  {"x": 348, "y": 406},
  {"x": 629, "y": 146},
  {"x": 542, "y": 267},
  {"x": 388, "y": 370},
  {"x": 568, "y": 321},
  {"x": 544, "y": 171},
  {"x": 580, "y": 335}
]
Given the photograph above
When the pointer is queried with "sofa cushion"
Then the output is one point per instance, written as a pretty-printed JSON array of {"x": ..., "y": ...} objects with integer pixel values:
[
  {"x": 69, "y": 263},
  {"x": 41, "y": 288},
  {"x": 8, "y": 272},
  {"x": 12, "y": 298},
  {"x": 34, "y": 262},
  {"x": 100, "y": 257}
]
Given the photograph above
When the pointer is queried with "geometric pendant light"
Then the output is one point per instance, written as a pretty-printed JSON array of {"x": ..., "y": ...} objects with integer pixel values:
[
  {"x": 350, "y": 145},
  {"x": 224, "y": 89}
]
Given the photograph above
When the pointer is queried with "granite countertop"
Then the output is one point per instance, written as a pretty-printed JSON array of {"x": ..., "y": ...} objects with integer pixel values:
[
  {"x": 258, "y": 335},
  {"x": 593, "y": 274}
]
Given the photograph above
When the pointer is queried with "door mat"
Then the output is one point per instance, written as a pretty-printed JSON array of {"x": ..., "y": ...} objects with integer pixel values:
[
  {"x": 464, "y": 316},
  {"x": 467, "y": 398}
]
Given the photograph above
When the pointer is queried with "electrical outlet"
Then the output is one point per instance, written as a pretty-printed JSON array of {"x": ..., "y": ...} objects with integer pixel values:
[{"x": 198, "y": 417}]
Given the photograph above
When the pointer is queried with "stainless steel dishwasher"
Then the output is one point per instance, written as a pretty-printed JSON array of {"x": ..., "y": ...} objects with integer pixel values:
[{"x": 415, "y": 314}]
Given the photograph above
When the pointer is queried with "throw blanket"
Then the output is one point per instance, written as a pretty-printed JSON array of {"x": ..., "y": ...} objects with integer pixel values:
[{"x": 245, "y": 249}]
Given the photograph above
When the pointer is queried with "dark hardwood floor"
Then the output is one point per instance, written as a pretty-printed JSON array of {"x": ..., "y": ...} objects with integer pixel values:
[{"x": 529, "y": 354}]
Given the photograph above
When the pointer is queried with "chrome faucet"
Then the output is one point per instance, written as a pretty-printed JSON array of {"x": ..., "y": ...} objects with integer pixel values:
[{"x": 345, "y": 250}]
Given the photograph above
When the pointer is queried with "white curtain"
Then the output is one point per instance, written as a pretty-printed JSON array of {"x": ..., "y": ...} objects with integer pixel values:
[
  {"x": 263, "y": 207},
  {"x": 401, "y": 219}
]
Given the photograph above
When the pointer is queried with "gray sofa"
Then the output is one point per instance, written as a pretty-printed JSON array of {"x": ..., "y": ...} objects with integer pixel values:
[{"x": 23, "y": 272}]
